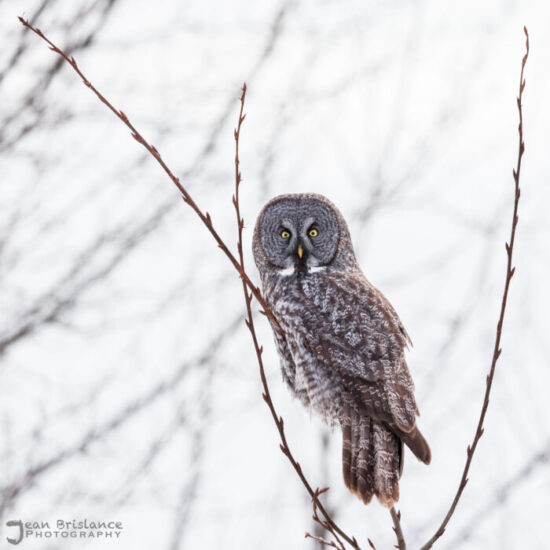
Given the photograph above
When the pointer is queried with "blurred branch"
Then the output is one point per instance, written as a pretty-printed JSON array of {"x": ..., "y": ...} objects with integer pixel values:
[
  {"x": 22, "y": 46},
  {"x": 497, "y": 349},
  {"x": 10, "y": 491},
  {"x": 32, "y": 100},
  {"x": 63, "y": 295},
  {"x": 266, "y": 52},
  {"x": 318, "y": 529},
  {"x": 189, "y": 491},
  {"x": 501, "y": 495}
]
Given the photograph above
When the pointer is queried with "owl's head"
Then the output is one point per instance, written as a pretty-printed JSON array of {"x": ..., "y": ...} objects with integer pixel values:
[{"x": 301, "y": 233}]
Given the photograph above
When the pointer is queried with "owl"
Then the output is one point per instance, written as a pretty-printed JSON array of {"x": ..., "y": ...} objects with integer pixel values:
[{"x": 342, "y": 345}]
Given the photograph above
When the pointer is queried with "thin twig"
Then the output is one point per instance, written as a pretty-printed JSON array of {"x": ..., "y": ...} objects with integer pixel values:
[
  {"x": 323, "y": 542},
  {"x": 336, "y": 543},
  {"x": 328, "y": 523},
  {"x": 396, "y": 518},
  {"x": 237, "y": 264},
  {"x": 497, "y": 349}
]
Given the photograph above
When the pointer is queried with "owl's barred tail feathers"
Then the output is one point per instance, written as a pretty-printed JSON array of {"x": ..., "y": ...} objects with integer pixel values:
[{"x": 372, "y": 455}]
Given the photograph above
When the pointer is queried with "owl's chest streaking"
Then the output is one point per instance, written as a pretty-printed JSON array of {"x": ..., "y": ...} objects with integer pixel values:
[{"x": 299, "y": 302}]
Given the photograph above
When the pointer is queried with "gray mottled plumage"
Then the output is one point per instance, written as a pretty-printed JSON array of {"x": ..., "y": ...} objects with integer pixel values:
[{"x": 343, "y": 348}]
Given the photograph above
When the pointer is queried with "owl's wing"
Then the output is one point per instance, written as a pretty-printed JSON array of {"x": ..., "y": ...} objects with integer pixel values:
[{"x": 350, "y": 326}]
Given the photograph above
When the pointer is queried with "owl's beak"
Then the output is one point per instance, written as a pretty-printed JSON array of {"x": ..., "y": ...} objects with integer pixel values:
[{"x": 300, "y": 251}]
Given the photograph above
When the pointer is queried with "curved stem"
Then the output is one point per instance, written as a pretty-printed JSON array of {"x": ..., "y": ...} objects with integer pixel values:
[{"x": 497, "y": 349}]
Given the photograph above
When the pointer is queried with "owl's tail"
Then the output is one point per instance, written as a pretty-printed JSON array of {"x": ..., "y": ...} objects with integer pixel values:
[
  {"x": 416, "y": 443},
  {"x": 371, "y": 457}
]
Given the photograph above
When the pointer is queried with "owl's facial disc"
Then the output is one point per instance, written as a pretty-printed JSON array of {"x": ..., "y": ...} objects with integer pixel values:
[{"x": 299, "y": 234}]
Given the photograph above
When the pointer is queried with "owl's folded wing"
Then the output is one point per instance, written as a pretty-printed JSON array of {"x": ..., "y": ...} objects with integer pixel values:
[{"x": 350, "y": 326}]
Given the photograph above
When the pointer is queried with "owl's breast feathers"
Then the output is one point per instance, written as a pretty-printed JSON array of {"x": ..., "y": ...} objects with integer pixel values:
[
  {"x": 344, "y": 322},
  {"x": 343, "y": 340}
]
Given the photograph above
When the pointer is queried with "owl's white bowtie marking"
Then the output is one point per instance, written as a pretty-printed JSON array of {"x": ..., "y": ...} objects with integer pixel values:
[
  {"x": 291, "y": 270},
  {"x": 287, "y": 271}
]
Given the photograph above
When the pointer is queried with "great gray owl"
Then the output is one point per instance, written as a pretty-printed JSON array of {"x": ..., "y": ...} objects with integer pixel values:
[{"x": 342, "y": 345}]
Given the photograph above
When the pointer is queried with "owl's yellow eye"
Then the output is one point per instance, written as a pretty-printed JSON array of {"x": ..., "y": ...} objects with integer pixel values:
[
  {"x": 313, "y": 232},
  {"x": 285, "y": 234}
]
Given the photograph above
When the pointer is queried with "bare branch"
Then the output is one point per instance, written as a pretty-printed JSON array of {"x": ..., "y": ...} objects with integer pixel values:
[
  {"x": 497, "y": 349},
  {"x": 328, "y": 523},
  {"x": 396, "y": 518}
]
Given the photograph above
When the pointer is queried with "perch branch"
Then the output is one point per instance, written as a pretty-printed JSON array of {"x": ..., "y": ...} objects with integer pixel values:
[
  {"x": 237, "y": 264},
  {"x": 396, "y": 518},
  {"x": 328, "y": 523},
  {"x": 497, "y": 349}
]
